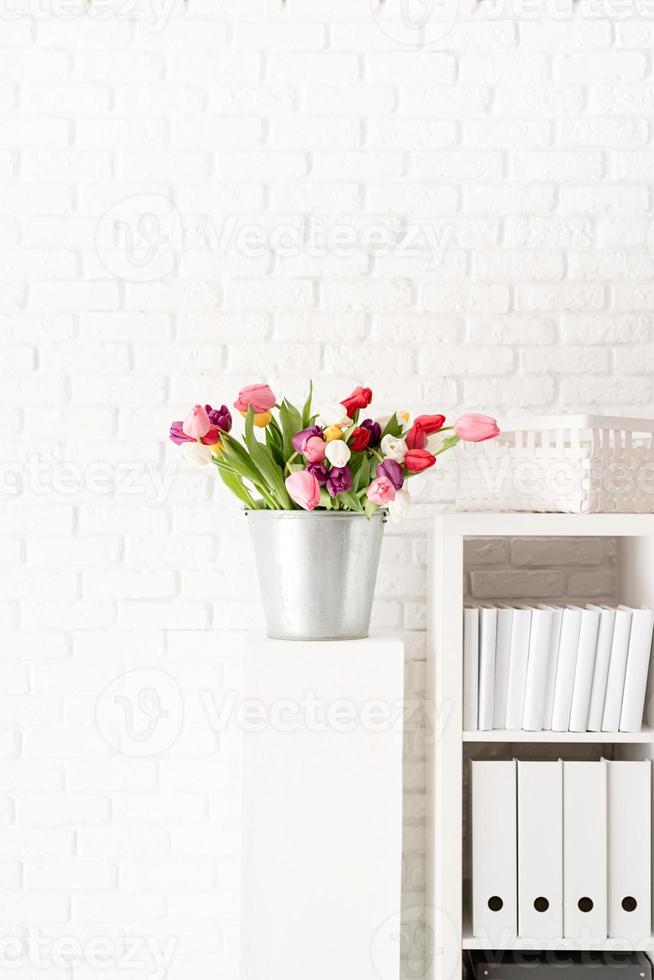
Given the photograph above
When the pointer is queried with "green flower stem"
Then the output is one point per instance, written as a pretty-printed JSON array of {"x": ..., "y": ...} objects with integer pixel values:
[{"x": 290, "y": 460}]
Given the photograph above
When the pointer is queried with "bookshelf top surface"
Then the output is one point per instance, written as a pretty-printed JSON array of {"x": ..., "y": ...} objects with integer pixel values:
[
  {"x": 489, "y": 524},
  {"x": 602, "y": 738}
]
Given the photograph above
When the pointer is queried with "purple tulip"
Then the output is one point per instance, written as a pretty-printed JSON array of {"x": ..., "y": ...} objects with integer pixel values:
[
  {"x": 392, "y": 471},
  {"x": 301, "y": 438},
  {"x": 375, "y": 430},
  {"x": 222, "y": 417},
  {"x": 339, "y": 480},
  {"x": 320, "y": 471},
  {"x": 177, "y": 434}
]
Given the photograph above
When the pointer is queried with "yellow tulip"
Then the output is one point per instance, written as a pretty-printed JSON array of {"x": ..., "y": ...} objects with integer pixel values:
[
  {"x": 332, "y": 432},
  {"x": 262, "y": 419},
  {"x": 403, "y": 417}
]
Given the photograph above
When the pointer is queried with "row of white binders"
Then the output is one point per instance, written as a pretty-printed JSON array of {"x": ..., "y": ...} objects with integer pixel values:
[
  {"x": 559, "y": 669},
  {"x": 561, "y": 850}
]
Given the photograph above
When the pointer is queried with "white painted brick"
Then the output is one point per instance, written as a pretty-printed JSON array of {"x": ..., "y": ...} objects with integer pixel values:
[
  {"x": 542, "y": 35},
  {"x": 462, "y": 165},
  {"x": 507, "y": 132},
  {"x": 285, "y": 37},
  {"x": 61, "y": 810},
  {"x": 470, "y": 298},
  {"x": 509, "y": 198},
  {"x": 606, "y": 392},
  {"x": 607, "y": 66},
  {"x": 463, "y": 360},
  {"x": 353, "y": 100},
  {"x": 540, "y": 100},
  {"x": 624, "y": 329},
  {"x": 562, "y": 298},
  {"x": 557, "y": 165},
  {"x": 564, "y": 359},
  {"x": 412, "y": 133},
  {"x": 551, "y": 232},
  {"x": 443, "y": 101},
  {"x": 530, "y": 391},
  {"x": 517, "y": 266},
  {"x": 606, "y": 132},
  {"x": 63, "y": 875},
  {"x": 411, "y": 68},
  {"x": 608, "y": 200}
]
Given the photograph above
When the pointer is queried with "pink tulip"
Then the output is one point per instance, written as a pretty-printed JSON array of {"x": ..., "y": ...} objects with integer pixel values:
[
  {"x": 196, "y": 424},
  {"x": 258, "y": 397},
  {"x": 381, "y": 491},
  {"x": 476, "y": 428},
  {"x": 303, "y": 489},
  {"x": 314, "y": 449}
]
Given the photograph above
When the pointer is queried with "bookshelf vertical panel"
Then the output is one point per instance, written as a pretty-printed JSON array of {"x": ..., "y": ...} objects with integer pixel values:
[{"x": 444, "y": 759}]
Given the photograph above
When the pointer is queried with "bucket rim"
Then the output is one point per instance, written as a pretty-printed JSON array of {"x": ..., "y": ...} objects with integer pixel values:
[{"x": 331, "y": 515}]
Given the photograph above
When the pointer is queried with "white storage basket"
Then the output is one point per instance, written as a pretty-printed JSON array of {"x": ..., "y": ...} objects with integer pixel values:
[{"x": 571, "y": 464}]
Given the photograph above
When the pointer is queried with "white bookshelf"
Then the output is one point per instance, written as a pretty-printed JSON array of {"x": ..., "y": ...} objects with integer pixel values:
[{"x": 449, "y": 750}]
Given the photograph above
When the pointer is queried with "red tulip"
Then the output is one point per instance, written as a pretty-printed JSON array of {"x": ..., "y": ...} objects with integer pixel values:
[
  {"x": 359, "y": 439},
  {"x": 430, "y": 423},
  {"x": 416, "y": 437},
  {"x": 417, "y": 460},
  {"x": 360, "y": 398}
]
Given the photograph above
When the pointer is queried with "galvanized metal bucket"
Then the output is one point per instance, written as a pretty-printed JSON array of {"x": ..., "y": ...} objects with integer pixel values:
[{"x": 317, "y": 571}]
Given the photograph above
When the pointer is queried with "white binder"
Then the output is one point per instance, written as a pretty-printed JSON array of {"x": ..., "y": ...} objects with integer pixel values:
[
  {"x": 617, "y": 667},
  {"x": 557, "y": 618},
  {"x": 583, "y": 682},
  {"x": 540, "y": 850},
  {"x": 635, "y": 678},
  {"x": 502, "y": 663},
  {"x": 629, "y": 809},
  {"x": 515, "y": 700},
  {"x": 537, "y": 667},
  {"x": 470, "y": 667},
  {"x": 602, "y": 661},
  {"x": 487, "y": 635},
  {"x": 584, "y": 850},
  {"x": 565, "y": 668},
  {"x": 494, "y": 849}
]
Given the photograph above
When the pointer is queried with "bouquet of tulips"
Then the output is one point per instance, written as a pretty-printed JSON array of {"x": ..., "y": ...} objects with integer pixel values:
[{"x": 331, "y": 458}]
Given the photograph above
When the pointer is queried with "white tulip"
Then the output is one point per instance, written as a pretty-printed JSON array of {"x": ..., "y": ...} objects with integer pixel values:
[
  {"x": 196, "y": 452},
  {"x": 337, "y": 452},
  {"x": 394, "y": 448},
  {"x": 400, "y": 506},
  {"x": 332, "y": 415}
]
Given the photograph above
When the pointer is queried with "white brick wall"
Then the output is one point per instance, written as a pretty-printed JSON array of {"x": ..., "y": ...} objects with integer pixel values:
[{"x": 505, "y": 175}]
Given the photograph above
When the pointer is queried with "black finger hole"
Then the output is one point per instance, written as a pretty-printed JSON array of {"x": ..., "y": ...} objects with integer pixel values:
[
  {"x": 629, "y": 903},
  {"x": 495, "y": 903},
  {"x": 585, "y": 904},
  {"x": 541, "y": 904}
]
